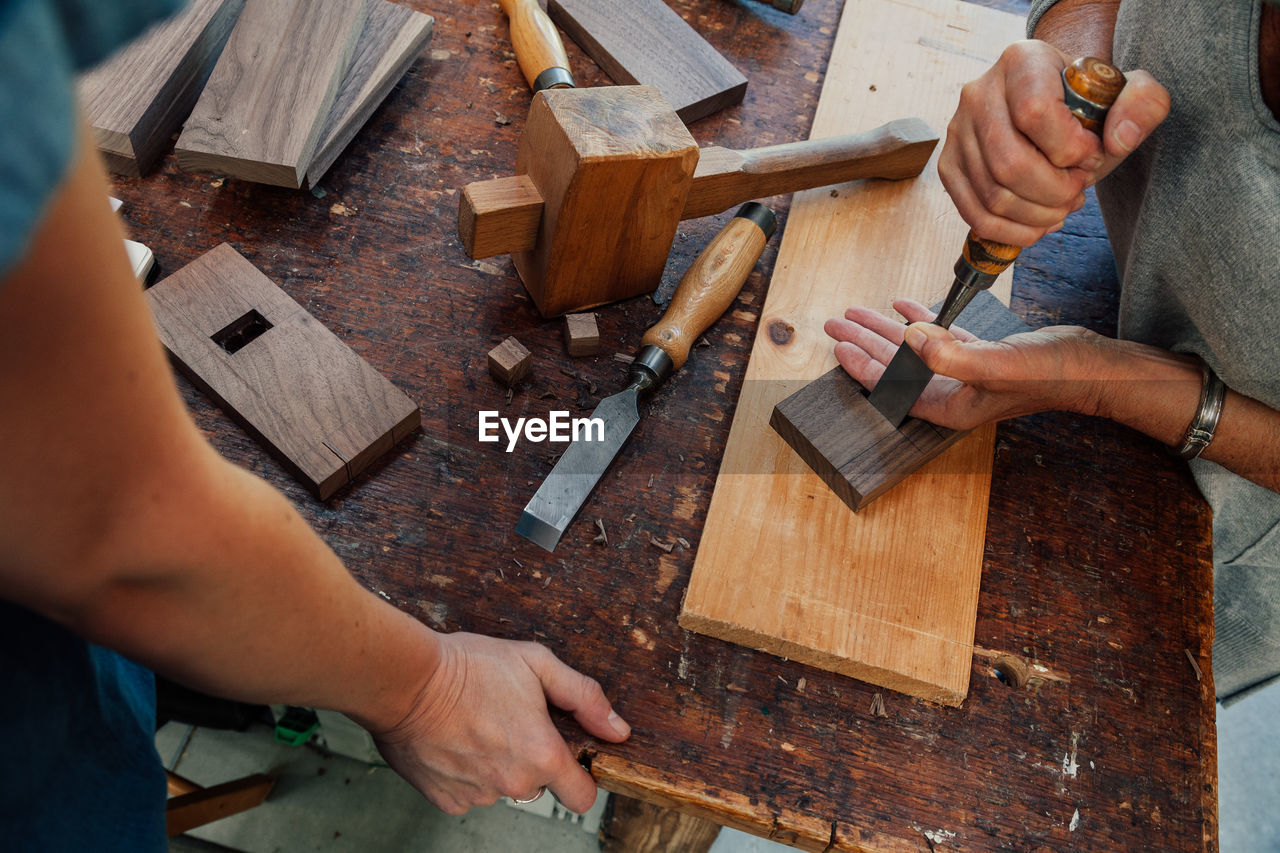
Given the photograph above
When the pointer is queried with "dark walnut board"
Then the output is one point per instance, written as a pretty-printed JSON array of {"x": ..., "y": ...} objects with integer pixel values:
[{"x": 1097, "y": 552}]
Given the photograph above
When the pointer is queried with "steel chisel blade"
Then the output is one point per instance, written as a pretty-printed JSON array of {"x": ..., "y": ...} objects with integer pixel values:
[
  {"x": 576, "y": 473},
  {"x": 900, "y": 385}
]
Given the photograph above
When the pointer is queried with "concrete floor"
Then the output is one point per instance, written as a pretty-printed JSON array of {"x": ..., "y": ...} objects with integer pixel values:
[{"x": 331, "y": 803}]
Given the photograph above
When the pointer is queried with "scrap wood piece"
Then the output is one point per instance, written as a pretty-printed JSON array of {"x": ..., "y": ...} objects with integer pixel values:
[
  {"x": 260, "y": 115},
  {"x": 888, "y": 595},
  {"x": 647, "y": 42},
  {"x": 581, "y": 334},
  {"x": 315, "y": 404},
  {"x": 391, "y": 39},
  {"x": 510, "y": 361},
  {"x": 137, "y": 99}
]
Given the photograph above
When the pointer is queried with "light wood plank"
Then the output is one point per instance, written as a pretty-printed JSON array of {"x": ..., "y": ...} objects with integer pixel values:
[
  {"x": 888, "y": 595},
  {"x": 137, "y": 99},
  {"x": 260, "y": 115},
  {"x": 647, "y": 42},
  {"x": 312, "y": 401},
  {"x": 392, "y": 38}
]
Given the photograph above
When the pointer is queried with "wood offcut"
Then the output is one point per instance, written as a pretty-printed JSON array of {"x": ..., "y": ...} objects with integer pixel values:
[
  {"x": 263, "y": 108},
  {"x": 646, "y": 42},
  {"x": 138, "y": 98},
  {"x": 581, "y": 334},
  {"x": 315, "y": 404},
  {"x": 509, "y": 362}
]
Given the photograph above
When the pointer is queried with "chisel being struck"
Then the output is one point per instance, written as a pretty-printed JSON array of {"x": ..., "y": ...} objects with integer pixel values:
[
  {"x": 708, "y": 288},
  {"x": 1090, "y": 86}
]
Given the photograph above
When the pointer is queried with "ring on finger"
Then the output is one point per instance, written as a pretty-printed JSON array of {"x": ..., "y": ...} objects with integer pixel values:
[{"x": 536, "y": 796}]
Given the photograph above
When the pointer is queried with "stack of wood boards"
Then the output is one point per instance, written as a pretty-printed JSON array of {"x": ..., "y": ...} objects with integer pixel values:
[
  {"x": 271, "y": 90},
  {"x": 293, "y": 85},
  {"x": 888, "y": 595},
  {"x": 136, "y": 100}
]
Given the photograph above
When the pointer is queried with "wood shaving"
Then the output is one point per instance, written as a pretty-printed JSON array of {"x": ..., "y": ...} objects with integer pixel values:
[
  {"x": 623, "y": 357},
  {"x": 684, "y": 543},
  {"x": 877, "y": 706},
  {"x": 602, "y": 538},
  {"x": 1195, "y": 666}
]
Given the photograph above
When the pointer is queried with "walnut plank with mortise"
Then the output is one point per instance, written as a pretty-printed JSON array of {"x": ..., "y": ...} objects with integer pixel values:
[
  {"x": 311, "y": 400},
  {"x": 260, "y": 115},
  {"x": 646, "y": 42},
  {"x": 783, "y": 565},
  {"x": 137, "y": 99},
  {"x": 1097, "y": 562},
  {"x": 391, "y": 39}
]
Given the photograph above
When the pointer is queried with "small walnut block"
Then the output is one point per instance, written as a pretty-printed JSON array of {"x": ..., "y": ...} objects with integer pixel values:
[
  {"x": 509, "y": 362},
  {"x": 840, "y": 435},
  {"x": 315, "y": 404},
  {"x": 581, "y": 334}
]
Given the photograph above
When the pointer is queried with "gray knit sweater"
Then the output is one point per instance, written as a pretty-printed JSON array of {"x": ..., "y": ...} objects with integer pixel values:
[{"x": 1194, "y": 221}]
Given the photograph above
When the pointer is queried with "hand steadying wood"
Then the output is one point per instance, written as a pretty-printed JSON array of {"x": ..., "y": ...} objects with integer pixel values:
[{"x": 1090, "y": 87}]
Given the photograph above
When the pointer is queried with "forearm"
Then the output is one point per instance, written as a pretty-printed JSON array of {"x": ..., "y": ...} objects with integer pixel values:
[
  {"x": 133, "y": 531},
  {"x": 1157, "y": 392},
  {"x": 1080, "y": 27}
]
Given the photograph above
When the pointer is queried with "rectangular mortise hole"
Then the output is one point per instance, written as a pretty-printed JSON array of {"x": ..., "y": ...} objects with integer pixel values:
[{"x": 239, "y": 332}]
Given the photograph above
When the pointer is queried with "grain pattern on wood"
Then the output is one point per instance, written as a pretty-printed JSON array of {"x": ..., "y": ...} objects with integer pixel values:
[
  {"x": 499, "y": 215},
  {"x": 634, "y": 826},
  {"x": 647, "y": 42},
  {"x": 581, "y": 334},
  {"x": 260, "y": 115},
  {"x": 783, "y": 565},
  {"x": 391, "y": 39},
  {"x": 137, "y": 99},
  {"x": 612, "y": 166},
  {"x": 834, "y": 428},
  {"x": 316, "y": 405},
  {"x": 509, "y": 362}
]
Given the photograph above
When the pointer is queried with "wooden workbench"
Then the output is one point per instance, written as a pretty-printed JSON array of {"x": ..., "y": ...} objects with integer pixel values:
[{"x": 1097, "y": 573}]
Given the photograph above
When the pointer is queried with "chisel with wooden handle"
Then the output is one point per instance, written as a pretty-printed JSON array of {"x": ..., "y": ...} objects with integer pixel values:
[
  {"x": 708, "y": 288},
  {"x": 539, "y": 50},
  {"x": 1090, "y": 86}
]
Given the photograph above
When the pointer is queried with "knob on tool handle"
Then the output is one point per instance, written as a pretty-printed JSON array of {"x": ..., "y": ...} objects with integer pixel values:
[
  {"x": 539, "y": 51},
  {"x": 711, "y": 283},
  {"x": 1089, "y": 87}
]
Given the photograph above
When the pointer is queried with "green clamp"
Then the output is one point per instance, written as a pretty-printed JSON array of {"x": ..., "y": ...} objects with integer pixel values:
[{"x": 296, "y": 725}]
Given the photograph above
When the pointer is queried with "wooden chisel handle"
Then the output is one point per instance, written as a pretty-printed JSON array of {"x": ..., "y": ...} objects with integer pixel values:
[
  {"x": 539, "y": 51},
  {"x": 1090, "y": 86},
  {"x": 712, "y": 282}
]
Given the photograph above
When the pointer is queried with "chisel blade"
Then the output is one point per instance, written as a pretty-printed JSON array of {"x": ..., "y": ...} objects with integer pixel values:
[
  {"x": 576, "y": 473},
  {"x": 901, "y": 384}
]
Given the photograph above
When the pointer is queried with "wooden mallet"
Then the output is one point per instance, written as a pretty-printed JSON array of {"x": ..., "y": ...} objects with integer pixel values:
[{"x": 604, "y": 176}]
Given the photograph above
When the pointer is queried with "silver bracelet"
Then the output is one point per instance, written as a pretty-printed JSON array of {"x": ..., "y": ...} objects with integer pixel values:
[{"x": 1200, "y": 431}]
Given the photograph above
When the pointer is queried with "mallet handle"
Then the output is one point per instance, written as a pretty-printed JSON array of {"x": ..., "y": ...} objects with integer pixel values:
[{"x": 724, "y": 177}]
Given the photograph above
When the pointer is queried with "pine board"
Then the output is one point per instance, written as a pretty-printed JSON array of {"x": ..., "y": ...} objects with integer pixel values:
[
  {"x": 137, "y": 99},
  {"x": 888, "y": 595},
  {"x": 263, "y": 108},
  {"x": 317, "y": 406},
  {"x": 647, "y": 42},
  {"x": 392, "y": 38}
]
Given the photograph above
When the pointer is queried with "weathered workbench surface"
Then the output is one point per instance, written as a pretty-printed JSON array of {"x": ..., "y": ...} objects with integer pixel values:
[{"x": 1097, "y": 571}]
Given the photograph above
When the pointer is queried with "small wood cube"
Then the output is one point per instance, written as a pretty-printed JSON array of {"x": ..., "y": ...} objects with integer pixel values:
[
  {"x": 581, "y": 335},
  {"x": 509, "y": 362}
]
